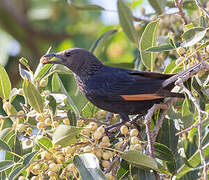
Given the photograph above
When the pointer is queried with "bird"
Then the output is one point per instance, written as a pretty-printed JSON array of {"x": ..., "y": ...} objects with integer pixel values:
[{"x": 113, "y": 89}]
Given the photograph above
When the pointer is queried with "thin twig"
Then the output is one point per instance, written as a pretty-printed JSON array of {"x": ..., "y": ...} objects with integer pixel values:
[
  {"x": 201, "y": 7},
  {"x": 117, "y": 157},
  {"x": 193, "y": 126},
  {"x": 162, "y": 115},
  {"x": 200, "y": 115},
  {"x": 179, "y": 5},
  {"x": 147, "y": 122},
  {"x": 93, "y": 120}
]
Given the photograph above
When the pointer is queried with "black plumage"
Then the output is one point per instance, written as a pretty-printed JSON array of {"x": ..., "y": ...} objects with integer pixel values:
[{"x": 116, "y": 90}]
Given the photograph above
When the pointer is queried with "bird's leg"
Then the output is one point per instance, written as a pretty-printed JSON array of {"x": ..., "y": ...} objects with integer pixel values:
[
  {"x": 133, "y": 121},
  {"x": 124, "y": 119}
]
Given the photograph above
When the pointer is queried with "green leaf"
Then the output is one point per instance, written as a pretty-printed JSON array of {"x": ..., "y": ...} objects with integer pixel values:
[
  {"x": 4, "y": 165},
  {"x": 33, "y": 96},
  {"x": 193, "y": 35},
  {"x": 194, "y": 161},
  {"x": 70, "y": 101},
  {"x": 4, "y": 146},
  {"x": 45, "y": 143},
  {"x": 52, "y": 103},
  {"x": 16, "y": 172},
  {"x": 186, "y": 108},
  {"x": 148, "y": 40},
  {"x": 163, "y": 47},
  {"x": 5, "y": 84},
  {"x": 99, "y": 44},
  {"x": 29, "y": 158},
  {"x": 41, "y": 71},
  {"x": 88, "y": 166},
  {"x": 87, "y": 7},
  {"x": 56, "y": 87},
  {"x": 65, "y": 135},
  {"x": 163, "y": 152},
  {"x": 4, "y": 132},
  {"x": 140, "y": 160},
  {"x": 72, "y": 118},
  {"x": 126, "y": 21},
  {"x": 24, "y": 73},
  {"x": 170, "y": 67},
  {"x": 23, "y": 61},
  {"x": 158, "y": 5}
]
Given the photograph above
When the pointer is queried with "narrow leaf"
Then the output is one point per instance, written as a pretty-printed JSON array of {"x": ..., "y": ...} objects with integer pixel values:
[
  {"x": 45, "y": 143},
  {"x": 72, "y": 117},
  {"x": 16, "y": 172},
  {"x": 4, "y": 165},
  {"x": 33, "y": 96},
  {"x": 56, "y": 87},
  {"x": 194, "y": 161},
  {"x": 140, "y": 160},
  {"x": 99, "y": 44},
  {"x": 87, "y": 7},
  {"x": 5, "y": 84},
  {"x": 126, "y": 21},
  {"x": 158, "y": 5},
  {"x": 24, "y": 73},
  {"x": 163, "y": 47},
  {"x": 163, "y": 152},
  {"x": 65, "y": 135},
  {"x": 193, "y": 35},
  {"x": 42, "y": 70},
  {"x": 4, "y": 146},
  {"x": 28, "y": 159},
  {"x": 70, "y": 101},
  {"x": 148, "y": 40},
  {"x": 52, "y": 103},
  {"x": 88, "y": 166}
]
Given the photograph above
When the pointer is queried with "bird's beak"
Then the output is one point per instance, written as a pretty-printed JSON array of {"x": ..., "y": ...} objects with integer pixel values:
[{"x": 46, "y": 58}]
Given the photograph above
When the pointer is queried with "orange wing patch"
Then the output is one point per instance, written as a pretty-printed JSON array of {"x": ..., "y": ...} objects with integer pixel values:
[{"x": 141, "y": 97}]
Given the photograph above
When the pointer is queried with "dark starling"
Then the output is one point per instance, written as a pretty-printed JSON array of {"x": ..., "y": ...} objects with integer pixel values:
[{"x": 117, "y": 90}]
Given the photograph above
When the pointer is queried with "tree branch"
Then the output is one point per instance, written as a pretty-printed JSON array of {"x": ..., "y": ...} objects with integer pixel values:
[{"x": 179, "y": 5}]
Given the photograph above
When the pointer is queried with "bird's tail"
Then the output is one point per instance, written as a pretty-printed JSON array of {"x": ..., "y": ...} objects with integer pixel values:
[{"x": 174, "y": 78}]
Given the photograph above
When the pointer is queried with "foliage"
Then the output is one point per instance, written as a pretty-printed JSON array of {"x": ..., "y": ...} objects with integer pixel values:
[{"x": 49, "y": 131}]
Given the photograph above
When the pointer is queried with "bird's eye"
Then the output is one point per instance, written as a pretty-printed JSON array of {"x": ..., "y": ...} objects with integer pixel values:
[{"x": 68, "y": 54}]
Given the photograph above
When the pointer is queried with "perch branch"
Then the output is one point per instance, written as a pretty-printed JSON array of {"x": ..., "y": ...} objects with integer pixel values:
[
  {"x": 180, "y": 83},
  {"x": 201, "y": 7},
  {"x": 179, "y": 5}
]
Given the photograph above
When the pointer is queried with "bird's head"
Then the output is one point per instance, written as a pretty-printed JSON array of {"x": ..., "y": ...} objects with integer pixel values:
[{"x": 78, "y": 60}]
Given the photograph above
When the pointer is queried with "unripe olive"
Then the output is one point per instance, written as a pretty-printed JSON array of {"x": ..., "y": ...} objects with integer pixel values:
[
  {"x": 71, "y": 167},
  {"x": 21, "y": 128},
  {"x": 181, "y": 50},
  {"x": 43, "y": 83},
  {"x": 35, "y": 178},
  {"x": 48, "y": 122},
  {"x": 134, "y": 132},
  {"x": 101, "y": 129},
  {"x": 93, "y": 126},
  {"x": 51, "y": 173},
  {"x": 97, "y": 135},
  {"x": 87, "y": 149},
  {"x": 7, "y": 106},
  {"x": 105, "y": 163},
  {"x": 105, "y": 139},
  {"x": 55, "y": 124},
  {"x": 134, "y": 140},
  {"x": 40, "y": 125},
  {"x": 28, "y": 142},
  {"x": 124, "y": 129}
]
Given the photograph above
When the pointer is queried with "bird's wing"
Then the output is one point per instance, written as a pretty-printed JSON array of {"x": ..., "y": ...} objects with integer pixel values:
[{"x": 128, "y": 85}]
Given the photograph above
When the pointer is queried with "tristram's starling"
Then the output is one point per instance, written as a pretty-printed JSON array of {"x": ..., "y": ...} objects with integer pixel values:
[{"x": 122, "y": 91}]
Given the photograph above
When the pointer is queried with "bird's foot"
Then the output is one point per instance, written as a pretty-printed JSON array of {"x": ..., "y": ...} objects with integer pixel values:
[{"x": 109, "y": 129}]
